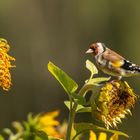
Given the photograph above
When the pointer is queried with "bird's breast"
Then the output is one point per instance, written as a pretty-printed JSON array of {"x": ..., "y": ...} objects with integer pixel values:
[{"x": 100, "y": 61}]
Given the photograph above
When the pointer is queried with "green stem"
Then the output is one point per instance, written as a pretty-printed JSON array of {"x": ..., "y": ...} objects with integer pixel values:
[
  {"x": 73, "y": 108},
  {"x": 85, "y": 89},
  {"x": 70, "y": 122}
]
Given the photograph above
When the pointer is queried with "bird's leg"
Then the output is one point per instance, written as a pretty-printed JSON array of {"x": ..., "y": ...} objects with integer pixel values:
[{"x": 117, "y": 78}]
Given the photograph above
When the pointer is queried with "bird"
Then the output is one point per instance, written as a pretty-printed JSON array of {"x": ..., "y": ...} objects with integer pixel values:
[{"x": 112, "y": 63}]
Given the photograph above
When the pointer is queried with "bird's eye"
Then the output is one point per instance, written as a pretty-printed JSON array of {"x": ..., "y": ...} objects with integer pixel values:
[{"x": 95, "y": 47}]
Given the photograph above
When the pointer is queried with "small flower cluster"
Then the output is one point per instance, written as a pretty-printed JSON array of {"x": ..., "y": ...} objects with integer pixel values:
[{"x": 5, "y": 65}]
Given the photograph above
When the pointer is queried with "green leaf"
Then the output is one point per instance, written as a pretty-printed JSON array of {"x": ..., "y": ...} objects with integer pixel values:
[
  {"x": 26, "y": 125},
  {"x": 42, "y": 135},
  {"x": 7, "y": 131},
  {"x": 32, "y": 120},
  {"x": 84, "y": 109},
  {"x": 67, "y": 103},
  {"x": 96, "y": 81},
  {"x": 83, "y": 127},
  {"x": 79, "y": 109},
  {"x": 18, "y": 126},
  {"x": 69, "y": 85},
  {"x": 1, "y": 137},
  {"x": 92, "y": 68},
  {"x": 79, "y": 99},
  {"x": 52, "y": 138}
]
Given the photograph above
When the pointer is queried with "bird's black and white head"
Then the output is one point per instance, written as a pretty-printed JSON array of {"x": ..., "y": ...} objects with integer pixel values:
[{"x": 96, "y": 48}]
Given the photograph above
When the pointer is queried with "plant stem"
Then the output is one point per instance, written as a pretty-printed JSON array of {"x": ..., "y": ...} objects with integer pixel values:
[
  {"x": 73, "y": 108},
  {"x": 85, "y": 89},
  {"x": 71, "y": 118}
]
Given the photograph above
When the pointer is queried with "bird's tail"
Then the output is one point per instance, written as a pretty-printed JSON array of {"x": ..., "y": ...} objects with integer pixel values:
[
  {"x": 136, "y": 68},
  {"x": 131, "y": 67}
]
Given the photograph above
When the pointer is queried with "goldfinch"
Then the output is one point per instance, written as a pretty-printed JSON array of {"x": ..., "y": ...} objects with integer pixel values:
[{"x": 112, "y": 63}]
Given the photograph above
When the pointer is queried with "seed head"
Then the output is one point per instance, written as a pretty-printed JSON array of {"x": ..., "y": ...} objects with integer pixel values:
[{"x": 115, "y": 100}]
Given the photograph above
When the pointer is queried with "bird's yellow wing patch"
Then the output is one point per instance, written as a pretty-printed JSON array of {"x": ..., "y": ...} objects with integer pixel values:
[{"x": 117, "y": 64}]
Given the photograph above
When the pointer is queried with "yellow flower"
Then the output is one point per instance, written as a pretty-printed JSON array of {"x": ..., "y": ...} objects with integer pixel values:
[
  {"x": 102, "y": 136},
  {"x": 5, "y": 65},
  {"x": 49, "y": 119},
  {"x": 50, "y": 126},
  {"x": 114, "y": 101}
]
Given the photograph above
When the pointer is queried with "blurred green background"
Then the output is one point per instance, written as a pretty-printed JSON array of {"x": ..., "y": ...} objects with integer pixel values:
[{"x": 60, "y": 31}]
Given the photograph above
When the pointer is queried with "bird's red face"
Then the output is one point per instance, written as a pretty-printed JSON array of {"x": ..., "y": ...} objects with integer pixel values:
[
  {"x": 96, "y": 48},
  {"x": 93, "y": 48}
]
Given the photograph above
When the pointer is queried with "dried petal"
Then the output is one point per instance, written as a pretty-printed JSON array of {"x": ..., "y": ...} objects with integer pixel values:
[{"x": 5, "y": 65}]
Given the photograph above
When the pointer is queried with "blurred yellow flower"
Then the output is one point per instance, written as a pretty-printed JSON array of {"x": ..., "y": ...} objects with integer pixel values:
[
  {"x": 49, "y": 119},
  {"x": 50, "y": 126},
  {"x": 102, "y": 136},
  {"x": 5, "y": 65}
]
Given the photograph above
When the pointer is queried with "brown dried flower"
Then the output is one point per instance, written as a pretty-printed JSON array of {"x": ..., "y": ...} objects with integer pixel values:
[{"x": 114, "y": 102}]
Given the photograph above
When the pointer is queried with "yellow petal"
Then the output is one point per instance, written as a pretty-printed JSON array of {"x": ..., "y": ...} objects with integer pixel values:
[
  {"x": 92, "y": 135},
  {"x": 51, "y": 131},
  {"x": 49, "y": 118},
  {"x": 114, "y": 137},
  {"x": 102, "y": 136}
]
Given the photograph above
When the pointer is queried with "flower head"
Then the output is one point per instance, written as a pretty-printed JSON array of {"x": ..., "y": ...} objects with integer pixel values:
[
  {"x": 51, "y": 126},
  {"x": 115, "y": 100},
  {"x": 5, "y": 65}
]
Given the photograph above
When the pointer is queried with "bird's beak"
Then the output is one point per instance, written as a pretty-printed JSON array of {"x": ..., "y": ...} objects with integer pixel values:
[{"x": 89, "y": 51}]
